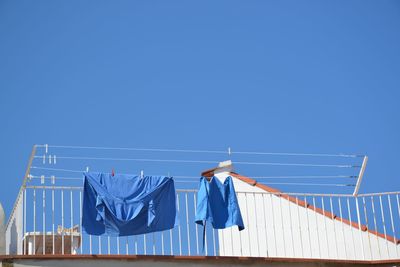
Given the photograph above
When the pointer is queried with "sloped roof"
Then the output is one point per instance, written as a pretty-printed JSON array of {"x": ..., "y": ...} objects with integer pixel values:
[{"x": 297, "y": 201}]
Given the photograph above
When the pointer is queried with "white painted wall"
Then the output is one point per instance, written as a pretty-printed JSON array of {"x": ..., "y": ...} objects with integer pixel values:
[
  {"x": 14, "y": 232},
  {"x": 2, "y": 231},
  {"x": 276, "y": 227}
]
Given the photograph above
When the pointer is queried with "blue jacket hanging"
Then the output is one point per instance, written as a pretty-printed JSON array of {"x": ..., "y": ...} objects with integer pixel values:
[
  {"x": 217, "y": 203},
  {"x": 122, "y": 205}
]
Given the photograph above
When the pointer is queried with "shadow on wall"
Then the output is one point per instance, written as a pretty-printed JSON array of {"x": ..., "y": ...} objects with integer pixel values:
[{"x": 13, "y": 245}]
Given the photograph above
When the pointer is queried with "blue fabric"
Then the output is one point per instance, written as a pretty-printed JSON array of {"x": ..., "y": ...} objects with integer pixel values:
[
  {"x": 122, "y": 205},
  {"x": 217, "y": 203}
]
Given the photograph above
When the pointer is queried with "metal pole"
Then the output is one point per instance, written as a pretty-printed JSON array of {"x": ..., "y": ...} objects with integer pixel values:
[{"x": 360, "y": 175}]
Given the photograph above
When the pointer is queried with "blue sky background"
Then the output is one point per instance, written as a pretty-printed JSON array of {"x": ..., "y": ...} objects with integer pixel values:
[{"x": 279, "y": 76}]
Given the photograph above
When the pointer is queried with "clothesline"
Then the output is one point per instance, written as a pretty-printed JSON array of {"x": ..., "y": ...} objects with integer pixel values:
[
  {"x": 81, "y": 179},
  {"x": 228, "y": 151},
  {"x": 193, "y": 181},
  {"x": 202, "y": 161},
  {"x": 197, "y": 177}
]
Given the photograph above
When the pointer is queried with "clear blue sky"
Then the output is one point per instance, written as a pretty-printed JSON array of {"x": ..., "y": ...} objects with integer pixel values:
[{"x": 298, "y": 76}]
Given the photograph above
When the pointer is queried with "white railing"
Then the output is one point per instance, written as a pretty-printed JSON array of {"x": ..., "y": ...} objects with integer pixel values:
[
  {"x": 47, "y": 221},
  {"x": 46, "y": 217}
]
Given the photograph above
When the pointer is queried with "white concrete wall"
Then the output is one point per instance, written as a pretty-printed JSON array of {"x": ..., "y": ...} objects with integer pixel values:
[
  {"x": 14, "y": 231},
  {"x": 2, "y": 231},
  {"x": 276, "y": 227}
]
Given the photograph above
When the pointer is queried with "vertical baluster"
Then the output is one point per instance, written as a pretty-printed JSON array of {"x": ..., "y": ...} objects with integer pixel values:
[
  {"x": 72, "y": 222},
  {"x": 240, "y": 237},
  {"x": 154, "y": 243},
  {"x": 80, "y": 219},
  {"x": 367, "y": 224},
  {"x": 25, "y": 237},
  {"x": 144, "y": 245},
  {"x": 179, "y": 226},
  {"x": 334, "y": 226},
  {"x": 316, "y": 224},
  {"x": 196, "y": 226},
  {"x": 162, "y": 243},
  {"x": 232, "y": 250},
  {"x": 223, "y": 242},
  {"x": 205, "y": 241},
  {"x": 283, "y": 230},
  {"x": 62, "y": 221},
  {"x": 359, "y": 228},
  {"x": 44, "y": 221},
  {"x": 90, "y": 244},
  {"x": 398, "y": 209},
  {"x": 99, "y": 244},
  {"x": 308, "y": 225},
  {"x": 118, "y": 248},
  {"x": 342, "y": 226},
  {"x": 34, "y": 221},
  {"x": 351, "y": 229},
  {"x": 248, "y": 223},
  {"x": 376, "y": 228},
  {"x": 170, "y": 241},
  {"x": 273, "y": 224},
  {"x": 384, "y": 225},
  {"x": 187, "y": 222},
  {"x": 255, "y": 214},
  {"x": 392, "y": 223},
  {"x": 214, "y": 246},
  {"x": 299, "y": 222},
  {"x": 326, "y": 228},
  {"x": 266, "y": 227},
  {"x": 136, "y": 246},
  {"x": 291, "y": 226},
  {"x": 108, "y": 245},
  {"x": 126, "y": 245}
]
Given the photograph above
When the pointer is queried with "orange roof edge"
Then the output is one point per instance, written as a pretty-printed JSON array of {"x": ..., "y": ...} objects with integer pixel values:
[{"x": 304, "y": 204}]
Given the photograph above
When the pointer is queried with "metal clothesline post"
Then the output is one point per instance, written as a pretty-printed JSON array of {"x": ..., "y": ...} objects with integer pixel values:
[{"x": 360, "y": 176}]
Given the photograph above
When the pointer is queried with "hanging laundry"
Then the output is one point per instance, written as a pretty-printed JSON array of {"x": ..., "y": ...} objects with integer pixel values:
[
  {"x": 122, "y": 205},
  {"x": 217, "y": 203}
]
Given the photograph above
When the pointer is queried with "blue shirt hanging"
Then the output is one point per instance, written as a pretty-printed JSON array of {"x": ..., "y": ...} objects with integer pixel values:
[
  {"x": 122, "y": 205},
  {"x": 217, "y": 203}
]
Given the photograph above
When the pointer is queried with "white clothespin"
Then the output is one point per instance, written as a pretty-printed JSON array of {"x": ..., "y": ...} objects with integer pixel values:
[
  {"x": 30, "y": 177},
  {"x": 54, "y": 159},
  {"x": 229, "y": 151},
  {"x": 44, "y": 159},
  {"x": 87, "y": 168},
  {"x": 53, "y": 179},
  {"x": 49, "y": 159},
  {"x": 46, "y": 147},
  {"x": 42, "y": 179},
  {"x": 141, "y": 174}
]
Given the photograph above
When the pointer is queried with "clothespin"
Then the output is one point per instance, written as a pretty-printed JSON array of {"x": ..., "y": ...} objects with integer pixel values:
[
  {"x": 141, "y": 174},
  {"x": 42, "y": 179},
  {"x": 87, "y": 168},
  {"x": 49, "y": 159},
  {"x": 54, "y": 159},
  {"x": 229, "y": 151},
  {"x": 112, "y": 172},
  {"x": 53, "y": 179}
]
